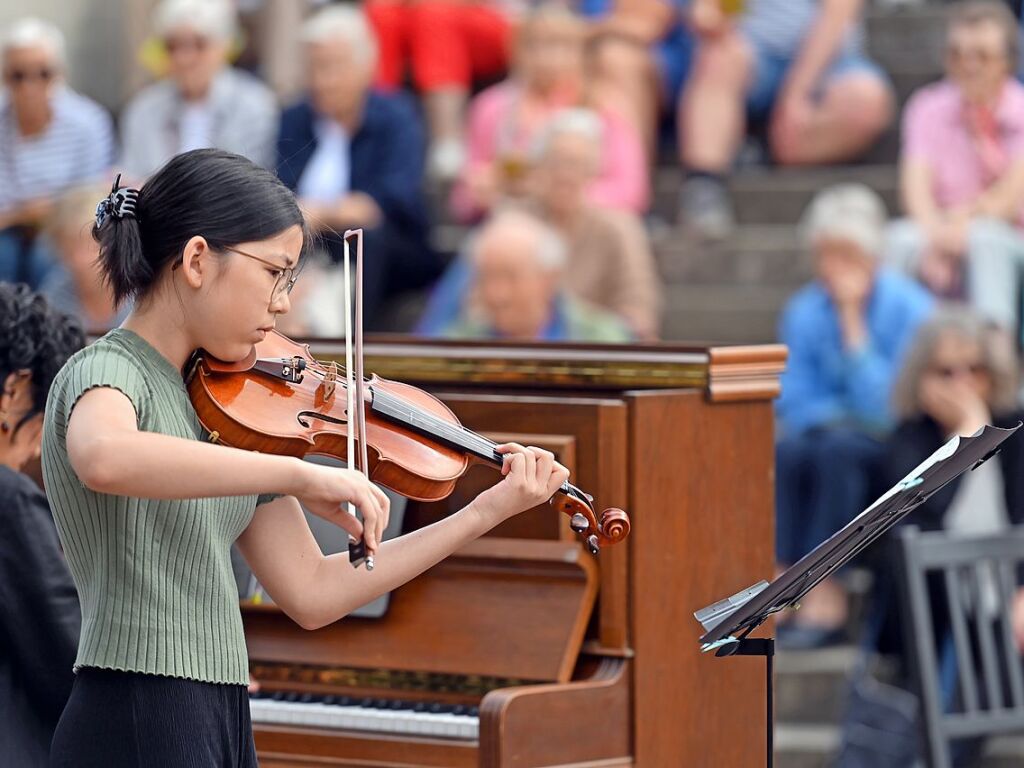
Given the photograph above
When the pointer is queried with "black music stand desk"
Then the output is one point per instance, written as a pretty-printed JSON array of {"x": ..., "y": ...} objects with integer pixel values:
[{"x": 728, "y": 622}]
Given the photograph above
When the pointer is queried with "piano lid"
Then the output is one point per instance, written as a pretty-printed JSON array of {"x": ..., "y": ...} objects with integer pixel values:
[{"x": 498, "y": 607}]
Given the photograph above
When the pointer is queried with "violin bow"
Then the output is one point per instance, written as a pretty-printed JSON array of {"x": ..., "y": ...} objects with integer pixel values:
[{"x": 355, "y": 404}]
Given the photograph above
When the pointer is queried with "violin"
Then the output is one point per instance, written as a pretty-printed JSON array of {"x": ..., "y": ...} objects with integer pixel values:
[{"x": 281, "y": 400}]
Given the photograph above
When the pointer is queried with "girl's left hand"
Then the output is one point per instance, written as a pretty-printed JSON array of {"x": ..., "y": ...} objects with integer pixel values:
[{"x": 531, "y": 477}]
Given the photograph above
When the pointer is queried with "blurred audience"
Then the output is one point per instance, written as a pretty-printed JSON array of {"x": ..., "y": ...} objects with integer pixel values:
[
  {"x": 354, "y": 156},
  {"x": 797, "y": 64},
  {"x": 518, "y": 267},
  {"x": 962, "y": 170},
  {"x": 847, "y": 334},
  {"x": 203, "y": 102},
  {"x": 638, "y": 58},
  {"x": 505, "y": 119},
  {"x": 51, "y": 138},
  {"x": 74, "y": 283},
  {"x": 956, "y": 379},
  {"x": 39, "y": 614},
  {"x": 609, "y": 262},
  {"x": 447, "y": 45}
]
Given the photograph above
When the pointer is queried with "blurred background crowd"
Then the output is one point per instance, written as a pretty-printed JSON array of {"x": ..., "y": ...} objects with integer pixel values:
[{"x": 599, "y": 171}]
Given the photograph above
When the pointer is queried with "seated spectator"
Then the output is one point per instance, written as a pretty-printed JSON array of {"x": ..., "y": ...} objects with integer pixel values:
[
  {"x": 955, "y": 380},
  {"x": 355, "y": 158},
  {"x": 51, "y": 138},
  {"x": 74, "y": 283},
  {"x": 797, "y": 64},
  {"x": 962, "y": 174},
  {"x": 448, "y": 45},
  {"x": 610, "y": 264},
  {"x": 640, "y": 54},
  {"x": 202, "y": 102},
  {"x": 847, "y": 334},
  {"x": 518, "y": 265},
  {"x": 505, "y": 119},
  {"x": 39, "y": 614}
]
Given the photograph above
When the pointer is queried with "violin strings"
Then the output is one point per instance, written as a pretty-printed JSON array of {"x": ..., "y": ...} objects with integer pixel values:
[{"x": 455, "y": 434}]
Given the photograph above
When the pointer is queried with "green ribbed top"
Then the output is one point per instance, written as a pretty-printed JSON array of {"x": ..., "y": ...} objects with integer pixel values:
[{"x": 154, "y": 576}]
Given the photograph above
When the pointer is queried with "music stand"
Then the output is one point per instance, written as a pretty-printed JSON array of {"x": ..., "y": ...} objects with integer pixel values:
[{"x": 728, "y": 622}]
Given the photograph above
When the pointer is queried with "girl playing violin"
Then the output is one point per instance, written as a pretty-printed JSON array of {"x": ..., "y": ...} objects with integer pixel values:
[{"x": 147, "y": 510}]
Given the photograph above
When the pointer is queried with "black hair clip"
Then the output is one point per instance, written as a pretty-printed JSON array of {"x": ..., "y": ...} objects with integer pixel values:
[{"x": 119, "y": 203}]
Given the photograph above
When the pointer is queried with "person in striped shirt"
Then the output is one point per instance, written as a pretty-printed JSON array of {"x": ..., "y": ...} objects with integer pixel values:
[{"x": 51, "y": 138}]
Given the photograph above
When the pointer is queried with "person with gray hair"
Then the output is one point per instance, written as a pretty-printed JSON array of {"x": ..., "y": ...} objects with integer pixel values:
[
  {"x": 847, "y": 333},
  {"x": 355, "y": 158},
  {"x": 517, "y": 291},
  {"x": 962, "y": 170},
  {"x": 51, "y": 138},
  {"x": 203, "y": 102},
  {"x": 956, "y": 379}
]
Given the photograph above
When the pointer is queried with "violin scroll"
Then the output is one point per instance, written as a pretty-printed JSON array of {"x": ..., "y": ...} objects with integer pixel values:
[{"x": 612, "y": 527}]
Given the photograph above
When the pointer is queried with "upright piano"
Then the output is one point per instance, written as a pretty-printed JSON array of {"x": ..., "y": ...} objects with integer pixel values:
[{"x": 523, "y": 649}]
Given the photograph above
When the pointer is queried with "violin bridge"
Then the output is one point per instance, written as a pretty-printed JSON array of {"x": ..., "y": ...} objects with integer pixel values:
[{"x": 330, "y": 380}]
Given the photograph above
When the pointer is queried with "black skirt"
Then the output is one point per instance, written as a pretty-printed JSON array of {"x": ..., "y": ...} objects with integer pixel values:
[{"x": 116, "y": 719}]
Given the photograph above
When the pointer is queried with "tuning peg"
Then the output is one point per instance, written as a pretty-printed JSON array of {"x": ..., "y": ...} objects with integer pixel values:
[
  {"x": 593, "y": 545},
  {"x": 579, "y": 523}
]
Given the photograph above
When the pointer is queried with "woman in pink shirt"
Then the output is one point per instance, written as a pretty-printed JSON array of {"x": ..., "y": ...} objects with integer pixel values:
[
  {"x": 504, "y": 121},
  {"x": 962, "y": 170}
]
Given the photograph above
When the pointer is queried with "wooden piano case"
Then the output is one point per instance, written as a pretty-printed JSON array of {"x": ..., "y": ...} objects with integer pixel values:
[{"x": 572, "y": 660}]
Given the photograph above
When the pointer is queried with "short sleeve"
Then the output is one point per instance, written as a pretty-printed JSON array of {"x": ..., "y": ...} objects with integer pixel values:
[{"x": 103, "y": 367}]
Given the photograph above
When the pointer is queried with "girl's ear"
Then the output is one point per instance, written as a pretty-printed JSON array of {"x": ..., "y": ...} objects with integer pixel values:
[{"x": 195, "y": 261}]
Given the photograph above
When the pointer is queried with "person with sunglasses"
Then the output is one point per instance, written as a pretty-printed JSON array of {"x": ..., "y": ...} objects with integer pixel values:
[
  {"x": 51, "y": 139},
  {"x": 962, "y": 170},
  {"x": 956, "y": 378},
  {"x": 203, "y": 101},
  {"x": 147, "y": 507},
  {"x": 39, "y": 615}
]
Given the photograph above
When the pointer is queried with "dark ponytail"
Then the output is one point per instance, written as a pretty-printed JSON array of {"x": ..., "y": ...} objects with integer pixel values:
[{"x": 223, "y": 197}]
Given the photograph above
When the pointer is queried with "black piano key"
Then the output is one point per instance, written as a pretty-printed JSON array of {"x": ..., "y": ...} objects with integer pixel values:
[
  {"x": 307, "y": 698},
  {"x": 381, "y": 704},
  {"x": 329, "y": 700},
  {"x": 277, "y": 695},
  {"x": 474, "y": 712},
  {"x": 459, "y": 710},
  {"x": 397, "y": 705},
  {"x": 367, "y": 702},
  {"x": 345, "y": 701},
  {"x": 291, "y": 696},
  {"x": 436, "y": 708},
  {"x": 419, "y": 706}
]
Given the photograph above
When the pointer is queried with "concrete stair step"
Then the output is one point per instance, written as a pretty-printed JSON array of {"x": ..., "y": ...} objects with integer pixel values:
[
  {"x": 726, "y": 313},
  {"x": 774, "y": 195},
  {"x": 897, "y": 38},
  {"x": 815, "y": 746}
]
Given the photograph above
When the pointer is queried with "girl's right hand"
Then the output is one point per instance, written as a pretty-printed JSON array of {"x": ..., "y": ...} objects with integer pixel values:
[{"x": 325, "y": 491}]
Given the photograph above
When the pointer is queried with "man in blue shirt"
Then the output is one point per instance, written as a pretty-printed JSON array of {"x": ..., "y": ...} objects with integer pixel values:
[{"x": 847, "y": 332}]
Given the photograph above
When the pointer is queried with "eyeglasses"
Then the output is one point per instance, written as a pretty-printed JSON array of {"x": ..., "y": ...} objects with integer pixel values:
[
  {"x": 176, "y": 44},
  {"x": 286, "y": 276},
  {"x": 950, "y": 371},
  {"x": 958, "y": 54},
  {"x": 19, "y": 76}
]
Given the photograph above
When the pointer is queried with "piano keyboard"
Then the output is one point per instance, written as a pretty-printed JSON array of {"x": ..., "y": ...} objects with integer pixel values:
[{"x": 380, "y": 715}]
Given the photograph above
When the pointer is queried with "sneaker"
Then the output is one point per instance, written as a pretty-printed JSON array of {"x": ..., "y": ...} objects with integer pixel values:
[
  {"x": 705, "y": 208},
  {"x": 446, "y": 159}
]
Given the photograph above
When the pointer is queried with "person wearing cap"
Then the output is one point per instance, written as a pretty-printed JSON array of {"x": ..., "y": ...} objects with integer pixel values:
[
  {"x": 203, "y": 102},
  {"x": 51, "y": 139},
  {"x": 847, "y": 332}
]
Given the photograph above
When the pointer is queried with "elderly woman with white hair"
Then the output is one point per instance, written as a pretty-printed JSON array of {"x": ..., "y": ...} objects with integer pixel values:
[
  {"x": 355, "y": 158},
  {"x": 51, "y": 138},
  {"x": 847, "y": 333},
  {"x": 203, "y": 102}
]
